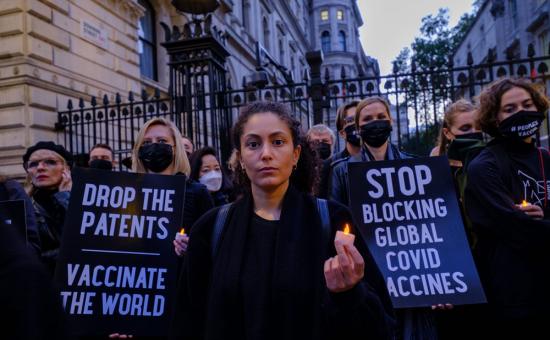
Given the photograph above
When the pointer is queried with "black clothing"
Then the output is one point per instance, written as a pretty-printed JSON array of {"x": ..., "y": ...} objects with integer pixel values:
[
  {"x": 12, "y": 190},
  {"x": 30, "y": 308},
  {"x": 197, "y": 202},
  {"x": 211, "y": 296},
  {"x": 326, "y": 173},
  {"x": 50, "y": 207},
  {"x": 257, "y": 276},
  {"x": 59, "y": 149},
  {"x": 512, "y": 248}
]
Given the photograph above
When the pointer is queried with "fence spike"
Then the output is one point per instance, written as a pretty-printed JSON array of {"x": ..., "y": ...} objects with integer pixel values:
[
  {"x": 470, "y": 59},
  {"x": 143, "y": 95},
  {"x": 70, "y": 104},
  {"x": 530, "y": 50},
  {"x": 157, "y": 93},
  {"x": 118, "y": 99},
  {"x": 105, "y": 100},
  {"x": 81, "y": 102},
  {"x": 130, "y": 96}
]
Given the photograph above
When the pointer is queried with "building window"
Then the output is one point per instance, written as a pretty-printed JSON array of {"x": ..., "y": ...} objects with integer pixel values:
[
  {"x": 543, "y": 43},
  {"x": 281, "y": 50},
  {"x": 324, "y": 15},
  {"x": 325, "y": 41},
  {"x": 147, "y": 42},
  {"x": 342, "y": 41},
  {"x": 245, "y": 9},
  {"x": 265, "y": 25},
  {"x": 513, "y": 12},
  {"x": 340, "y": 14}
]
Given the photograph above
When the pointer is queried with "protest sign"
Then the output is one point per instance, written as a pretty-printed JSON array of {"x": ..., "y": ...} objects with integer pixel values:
[
  {"x": 12, "y": 214},
  {"x": 408, "y": 213},
  {"x": 117, "y": 266}
]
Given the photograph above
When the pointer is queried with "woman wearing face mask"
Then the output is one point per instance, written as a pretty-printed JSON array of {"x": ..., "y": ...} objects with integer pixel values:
[
  {"x": 374, "y": 123},
  {"x": 275, "y": 272},
  {"x": 159, "y": 150},
  {"x": 206, "y": 169},
  {"x": 506, "y": 199},
  {"x": 49, "y": 183}
]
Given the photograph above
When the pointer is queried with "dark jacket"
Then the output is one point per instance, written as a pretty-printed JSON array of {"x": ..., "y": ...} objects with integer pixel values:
[
  {"x": 197, "y": 202},
  {"x": 50, "y": 208},
  {"x": 339, "y": 190},
  {"x": 12, "y": 190},
  {"x": 512, "y": 251},
  {"x": 210, "y": 296},
  {"x": 325, "y": 176}
]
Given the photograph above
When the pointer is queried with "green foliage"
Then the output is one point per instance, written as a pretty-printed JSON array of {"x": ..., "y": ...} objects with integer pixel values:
[{"x": 424, "y": 144}]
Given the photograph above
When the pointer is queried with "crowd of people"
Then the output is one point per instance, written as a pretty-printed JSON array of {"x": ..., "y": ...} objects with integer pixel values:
[{"x": 259, "y": 259}]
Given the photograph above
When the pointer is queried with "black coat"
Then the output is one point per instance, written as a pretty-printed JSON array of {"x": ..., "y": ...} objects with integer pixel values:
[
  {"x": 197, "y": 202},
  {"x": 303, "y": 308},
  {"x": 513, "y": 249}
]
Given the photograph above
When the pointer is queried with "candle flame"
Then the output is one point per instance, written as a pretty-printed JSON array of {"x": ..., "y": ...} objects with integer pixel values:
[
  {"x": 524, "y": 203},
  {"x": 346, "y": 229},
  {"x": 182, "y": 231}
]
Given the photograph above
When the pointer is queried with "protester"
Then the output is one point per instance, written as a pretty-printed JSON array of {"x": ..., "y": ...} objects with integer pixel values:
[
  {"x": 49, "y": 184},
  {"x": 101, "y": 157},
  {"x": 459, "y": 122},
  {"x": 159, "y": 150},
  {"x": 323, "y": 140},
  {"x": 188, "y": 146},
  {"x": 507, "y": 202},
  {"x": 264, "y": 279},
  {"x": 31, "y": 308},
  {"x": 11, "y": 190},
  {"x": 206, "y": 169},
  {"x": 345, "y": 124},
  {"x": 374, "y": 123}
]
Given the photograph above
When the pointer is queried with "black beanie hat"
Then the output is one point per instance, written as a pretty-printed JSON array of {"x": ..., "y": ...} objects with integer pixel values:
[{"x": 59, "y": 149}]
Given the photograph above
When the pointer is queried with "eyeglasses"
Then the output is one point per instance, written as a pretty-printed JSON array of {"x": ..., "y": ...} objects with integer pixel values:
[{"x": 49, "y": 163}]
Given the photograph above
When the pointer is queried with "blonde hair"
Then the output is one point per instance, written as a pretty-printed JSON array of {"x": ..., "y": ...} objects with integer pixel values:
[
  {"x": 456, "y": 108},
  {"x": 181, "y": 163},
  {"x": 29, "y": 188},
  {"x": 366, "y": 102}
]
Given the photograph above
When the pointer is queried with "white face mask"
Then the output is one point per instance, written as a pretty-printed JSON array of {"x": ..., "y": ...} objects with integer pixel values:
[{"x": 212, "y": 180}]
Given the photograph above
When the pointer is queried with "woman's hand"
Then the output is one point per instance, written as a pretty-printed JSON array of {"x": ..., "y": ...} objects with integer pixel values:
[
  {"x": 180, "y": 244},
  {"x": 447, "y": 306},
  {"x": 345, "y": 270},
  {"x": 532, "y": 210},
  {"x": 120, "y": 336},
  {"x": 66, "y": 181}
]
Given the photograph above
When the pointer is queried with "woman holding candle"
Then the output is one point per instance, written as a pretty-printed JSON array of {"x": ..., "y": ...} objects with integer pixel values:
[
  {"x": 274, "y": 274},
  {"x": 159, "y": 149},
  {"x": 513, "y": 238}
]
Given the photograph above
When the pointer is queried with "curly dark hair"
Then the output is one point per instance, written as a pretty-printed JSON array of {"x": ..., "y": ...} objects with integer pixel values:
[
  {"x": 490, "y": 97},
  {"x": 305, "y": 176}
]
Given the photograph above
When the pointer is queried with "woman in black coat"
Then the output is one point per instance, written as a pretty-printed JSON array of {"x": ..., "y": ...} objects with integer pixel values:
[
  {"x": 271, "y": 270},
  {"x": 506, "y": 199}
]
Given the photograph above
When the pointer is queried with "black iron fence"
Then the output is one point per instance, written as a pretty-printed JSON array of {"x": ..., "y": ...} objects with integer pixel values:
[{"x": 417, "y": 99}]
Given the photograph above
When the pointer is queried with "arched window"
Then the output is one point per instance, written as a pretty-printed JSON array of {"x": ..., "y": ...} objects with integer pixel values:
[
  {"x": 246, "y": 10},
  {"x": 147, "y": 43},
  {"x": 265, "y": 25},
  {"x": 325, "y": 41},
  {"x": 342, "y": 40}
]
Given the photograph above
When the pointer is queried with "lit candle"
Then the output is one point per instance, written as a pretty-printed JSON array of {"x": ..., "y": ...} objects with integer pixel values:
[
  {"x": 345, "y": 237},
  {"x": 524, "y": 203},
  {"x": 180, "y": 234}
]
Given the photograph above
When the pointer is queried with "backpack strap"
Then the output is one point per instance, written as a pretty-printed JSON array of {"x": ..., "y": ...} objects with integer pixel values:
[{"x": 221, "y": 217}]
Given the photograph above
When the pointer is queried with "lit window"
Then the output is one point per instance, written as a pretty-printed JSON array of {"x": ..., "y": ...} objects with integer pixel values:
[
  {"x": 340, "y": 15},
  {"x": 324, "y": 15}
]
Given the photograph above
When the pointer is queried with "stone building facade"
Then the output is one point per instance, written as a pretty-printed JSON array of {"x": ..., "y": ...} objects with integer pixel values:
[{"x": 55, "y": 50}]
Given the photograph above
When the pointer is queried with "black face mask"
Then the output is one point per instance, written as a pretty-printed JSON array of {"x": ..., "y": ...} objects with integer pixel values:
[
  {"x": 156, "y": 157},
  {"x": 472, "y": 135},
  {"x": 324, "y": 150},
  {"x": 521, "y": 125},
  {"x": 101, "y": 164},
  {"x": 351, "y": 135},
  {"x": 376, "y": 133}
]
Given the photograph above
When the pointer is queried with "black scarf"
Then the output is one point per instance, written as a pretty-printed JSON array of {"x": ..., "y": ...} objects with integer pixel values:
[{"x": 297, "y": 288}]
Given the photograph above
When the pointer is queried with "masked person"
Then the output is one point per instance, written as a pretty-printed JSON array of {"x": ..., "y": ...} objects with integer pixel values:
[
  {"x": 188, "y": 146},
  {"x": 48, "y": 166},
  {"x": 374, "y": 124},
  {"x": 345, "y": 124},
  {"x": 322, "y": 139},
  {"x": 206, "y": 169},
  {"x": 101, "y": 157},
  {"x": 507, "y": 200},
  {"x": 159, "y": 150},
  {"x": 274, "y": 271}
]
